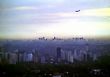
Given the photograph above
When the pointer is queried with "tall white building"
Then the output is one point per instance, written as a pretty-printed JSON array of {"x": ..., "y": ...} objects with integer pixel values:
[
  {"x": 67, "y": 56},
  {"x": 12, "y": 58}
]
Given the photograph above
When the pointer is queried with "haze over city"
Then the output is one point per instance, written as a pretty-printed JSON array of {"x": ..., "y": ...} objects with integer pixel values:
[
  {"x": 25, "y": 19},
  {"x": 54, "y": 38}
]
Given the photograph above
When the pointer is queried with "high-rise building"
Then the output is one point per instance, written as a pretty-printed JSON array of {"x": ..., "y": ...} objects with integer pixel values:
[
  {"x": 21, "y": 56},
  {"x": 12, "y": 58},
  {"x": 35, "y": 56},
  {"x": 29, "y": 57},
  {"x": 69, "y": 56},
  {"x": 58, "y": 54},
  {"x": 42, "y": 59}
]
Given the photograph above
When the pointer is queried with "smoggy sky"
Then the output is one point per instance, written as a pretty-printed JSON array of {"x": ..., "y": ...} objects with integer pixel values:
[{"x": 21, "y": 19}]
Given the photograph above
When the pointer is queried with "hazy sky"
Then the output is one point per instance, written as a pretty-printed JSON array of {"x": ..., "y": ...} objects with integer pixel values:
[{"x": 35, "y": 18}]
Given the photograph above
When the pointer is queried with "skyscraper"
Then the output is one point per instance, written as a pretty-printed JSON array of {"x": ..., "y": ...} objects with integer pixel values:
[
  {"x": 35, "y": 56},
  {"x": 58, "y": 54}
]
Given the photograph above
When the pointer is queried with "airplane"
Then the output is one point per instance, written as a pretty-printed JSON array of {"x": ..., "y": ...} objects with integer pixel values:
[{"x": 77, "y": 10}]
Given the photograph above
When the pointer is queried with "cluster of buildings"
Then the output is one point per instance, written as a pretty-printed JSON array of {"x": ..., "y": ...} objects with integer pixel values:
[
  {"x": 18, "y": 56},
  {"x": 61, "y": 56},
  {"x": 56, "y": 38},
  {"x": 78, "y": 55}
]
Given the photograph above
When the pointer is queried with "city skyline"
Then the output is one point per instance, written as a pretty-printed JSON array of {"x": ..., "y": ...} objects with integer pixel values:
[{"x": 35, "y": 18}]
